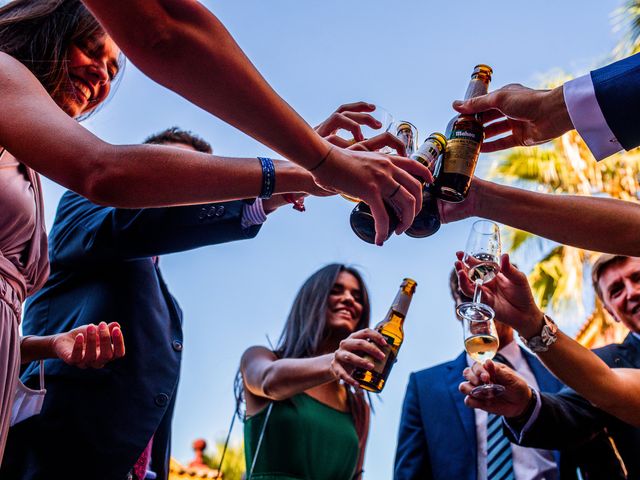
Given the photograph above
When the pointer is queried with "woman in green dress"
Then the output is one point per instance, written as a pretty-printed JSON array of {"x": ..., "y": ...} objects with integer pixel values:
[{"x": 315, "y": 425}]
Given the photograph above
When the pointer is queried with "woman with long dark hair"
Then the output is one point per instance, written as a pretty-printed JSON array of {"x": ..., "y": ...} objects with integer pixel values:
[{"x": 303, "y": 420}]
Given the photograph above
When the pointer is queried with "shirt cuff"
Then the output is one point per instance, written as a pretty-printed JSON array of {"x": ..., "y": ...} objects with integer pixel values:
[
  {"x": 588, "y": 119},
  {"x": 253, "y": 214},
  {"x": 534, "y": 416}
]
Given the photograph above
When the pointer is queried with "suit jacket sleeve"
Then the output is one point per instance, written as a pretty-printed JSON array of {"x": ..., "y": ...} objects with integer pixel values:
[
  {"x": 617, "y": 89},
  {"x": 84, "y": 232},
  {"x": 565, "y": 421},
  {"x": 412, "y": 455}
]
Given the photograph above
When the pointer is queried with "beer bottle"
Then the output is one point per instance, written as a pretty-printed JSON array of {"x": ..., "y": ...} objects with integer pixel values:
[
  {"x": 391, "y": 329},
  {"x": 361, "y": 219},
  {"x": 464, "y": 142},
  {"x": 427, "y": 222}
]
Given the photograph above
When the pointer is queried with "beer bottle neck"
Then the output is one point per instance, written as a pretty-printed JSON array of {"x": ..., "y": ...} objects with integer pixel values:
[
  {"x": 401, "y": 302},
  {"x": 477, "y": 86}
]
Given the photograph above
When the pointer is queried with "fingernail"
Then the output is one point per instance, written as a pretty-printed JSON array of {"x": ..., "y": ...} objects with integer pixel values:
[
  {"x": 457, "y": 103},
  {"x": 372, "y": 106},
  {"x": 91, "y": 329},
  {"x": 378, "y": 124},
  {"x": 370, "y": 366}
]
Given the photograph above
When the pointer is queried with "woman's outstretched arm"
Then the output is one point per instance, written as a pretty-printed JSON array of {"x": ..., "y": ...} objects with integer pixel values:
[{"x": 183, "y": 46}]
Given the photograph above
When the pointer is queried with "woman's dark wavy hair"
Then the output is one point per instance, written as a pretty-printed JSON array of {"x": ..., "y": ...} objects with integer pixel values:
[
  {"x": 306, "y": 327},
  {"x": 38, "y": 33}
]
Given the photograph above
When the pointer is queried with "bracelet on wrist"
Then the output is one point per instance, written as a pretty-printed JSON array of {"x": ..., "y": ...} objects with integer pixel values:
[
  {"x": 268, "y": 177},
  {"x": 324, "y": 159}
]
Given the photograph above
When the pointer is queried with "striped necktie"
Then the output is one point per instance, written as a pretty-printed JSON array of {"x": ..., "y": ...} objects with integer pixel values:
[{"x": 499, "y": 461}]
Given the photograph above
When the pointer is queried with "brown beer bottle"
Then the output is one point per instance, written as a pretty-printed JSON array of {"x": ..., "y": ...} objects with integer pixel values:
[
  {"x": 464, "y": 142},
  {"x": 428, "y": 220},
  {"x": 391, "y": 329}
]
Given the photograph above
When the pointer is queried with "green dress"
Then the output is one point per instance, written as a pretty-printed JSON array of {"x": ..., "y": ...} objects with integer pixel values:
[{"x": 304, "y": 439}]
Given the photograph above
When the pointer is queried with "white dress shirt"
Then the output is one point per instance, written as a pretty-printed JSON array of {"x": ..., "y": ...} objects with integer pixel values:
[
  {"x": 588, "y": 119},
  {"x": 528, "y": 463}
]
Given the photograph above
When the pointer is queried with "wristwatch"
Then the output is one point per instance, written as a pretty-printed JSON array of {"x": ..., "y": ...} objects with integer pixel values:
[{"x": 547, "y": 337}]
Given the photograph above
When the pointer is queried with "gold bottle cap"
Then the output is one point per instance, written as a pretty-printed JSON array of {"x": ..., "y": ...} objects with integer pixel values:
[
  {"x": 409, "y": 283},
  {"x": 482, "y": 69},
  {"x": 439, "y": 138},
  {"x": 405, "y": 125}
]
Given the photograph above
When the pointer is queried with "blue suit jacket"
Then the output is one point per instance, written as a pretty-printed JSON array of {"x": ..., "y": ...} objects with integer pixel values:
[
  {"x": 437, "y": 437},
  {"x": 96, "y": 423},
  {"x": 617, "y": 88},
  {"x": 567, "y": 419}
]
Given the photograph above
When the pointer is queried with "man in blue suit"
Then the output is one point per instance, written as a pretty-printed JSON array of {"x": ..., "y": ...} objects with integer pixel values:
[
  {"x": 566, "y": 418},
  {"x": 441, "y": 439},
  {"x": 115, "y": 423}
]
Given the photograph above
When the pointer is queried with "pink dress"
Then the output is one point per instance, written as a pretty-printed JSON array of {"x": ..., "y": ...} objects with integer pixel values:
[{"x": 24, "y": 267}]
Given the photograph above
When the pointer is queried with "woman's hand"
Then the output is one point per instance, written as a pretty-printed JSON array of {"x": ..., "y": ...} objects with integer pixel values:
[
  {"x": 349, "y": 357},
  {"x": 348, "y": 117},
  {"x": 509, "y": 294},
  {"x": 90, "y": 345}
]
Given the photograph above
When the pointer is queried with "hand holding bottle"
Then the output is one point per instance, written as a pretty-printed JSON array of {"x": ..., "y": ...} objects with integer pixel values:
[
  {"x": 349, "y": 356},
  {"x": 532, "y": 116}
]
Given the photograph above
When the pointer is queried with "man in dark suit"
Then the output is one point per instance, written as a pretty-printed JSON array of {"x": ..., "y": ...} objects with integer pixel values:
[
  {"x": 566, "y": 418},
  {"x": 441, "y": 439},
  {"x": 115, "y": 423}
]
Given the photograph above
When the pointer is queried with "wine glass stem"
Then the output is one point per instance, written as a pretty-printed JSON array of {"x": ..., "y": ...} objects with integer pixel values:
[{"x": 477, "y": 293}]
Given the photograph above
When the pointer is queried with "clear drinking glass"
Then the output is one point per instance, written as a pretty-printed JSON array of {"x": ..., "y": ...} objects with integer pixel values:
[
  {"x": 481, "y": 343},
  {"x": 408, "y": 133},
  {"x": 482, "y": 257}
]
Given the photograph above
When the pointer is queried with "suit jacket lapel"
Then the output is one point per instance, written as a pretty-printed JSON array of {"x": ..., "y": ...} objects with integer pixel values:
[
  {"x": 466, "y": 414},
  {"x": 630, "y": 350}
]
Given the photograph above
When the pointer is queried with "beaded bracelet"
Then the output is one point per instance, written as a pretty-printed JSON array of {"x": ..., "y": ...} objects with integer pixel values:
[{"x": 268, "y": 177}]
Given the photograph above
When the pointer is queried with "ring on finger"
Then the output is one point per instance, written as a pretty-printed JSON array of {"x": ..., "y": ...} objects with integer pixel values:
[{"x": 394, "y": 192}]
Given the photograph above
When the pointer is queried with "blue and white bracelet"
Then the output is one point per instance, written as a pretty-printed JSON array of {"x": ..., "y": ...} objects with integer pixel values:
[{"x": 268, "y": 177}]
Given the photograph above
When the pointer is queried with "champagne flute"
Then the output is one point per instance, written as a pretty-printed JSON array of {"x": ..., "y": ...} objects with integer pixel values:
[
  {"x": 481, "y": 343},
  {"x": 482, "y": 258}
]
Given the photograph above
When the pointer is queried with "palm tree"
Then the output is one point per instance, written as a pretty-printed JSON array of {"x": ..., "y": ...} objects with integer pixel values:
[
  {"x": 565, "y": 166},
  {"x": 627, "y": 19},
  {"x": 234, "y": 462}
]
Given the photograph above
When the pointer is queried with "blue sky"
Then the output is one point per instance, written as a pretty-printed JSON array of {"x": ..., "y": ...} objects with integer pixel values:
[{"x": 414, "y": 58}]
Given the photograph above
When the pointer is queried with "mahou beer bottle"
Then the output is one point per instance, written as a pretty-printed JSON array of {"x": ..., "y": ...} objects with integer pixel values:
[
  {"x": 391, "y": 329},
  {"x": 424, "y": 224},
  {"x": 427, "y": 222},
  {"x": 464, "y": 142}
]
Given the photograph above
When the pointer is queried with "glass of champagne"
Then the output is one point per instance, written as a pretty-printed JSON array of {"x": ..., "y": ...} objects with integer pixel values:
[
  {"x": 481, "y": 343},
  {"x": 482, "y": 258}
]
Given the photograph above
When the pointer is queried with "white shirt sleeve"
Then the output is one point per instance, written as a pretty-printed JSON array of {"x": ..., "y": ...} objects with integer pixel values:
[
  {"x": 253, "y": 214},
  {"x": 588, "y": 119},
  {"x": 532, "y": 418}
]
